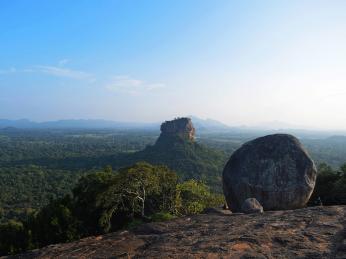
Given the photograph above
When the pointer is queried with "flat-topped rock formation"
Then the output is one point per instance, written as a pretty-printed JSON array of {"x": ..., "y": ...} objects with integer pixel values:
[
  {"x": 181, "y": 127},
  {"x": 316, "y": 232}
]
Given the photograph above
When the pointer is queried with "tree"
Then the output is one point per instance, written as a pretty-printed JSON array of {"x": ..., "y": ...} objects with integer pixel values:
[
  {"x": 139, "y": 181},
  {"x": 143, "y": 189},
  {"x": 193, "y": 197},
  {"x": 88, "y": 201},
  {"x": 54, "y": 223},
  {"x": 343, "y": 168},
  {"x": 13, "y": 238},
  {"x": 330, "y": 185},
  {"x": 108, "y": 169},
  {"x": 108, "y": 201}
]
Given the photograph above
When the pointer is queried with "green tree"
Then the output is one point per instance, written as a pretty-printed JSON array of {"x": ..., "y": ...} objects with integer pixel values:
[
  {"x": 54, "y": 223},
  {"x": 88, "y": 201},
  {"x": 140, "y": 190},
  {"x": 13, "y": 238},
  {"x": 105, "y": 201},
  {"x": 108, "y": 169},
  {"x": 343, "y": 168},
  {"x": 193, "y": 197},
  {"x": 330, "y": 185}
]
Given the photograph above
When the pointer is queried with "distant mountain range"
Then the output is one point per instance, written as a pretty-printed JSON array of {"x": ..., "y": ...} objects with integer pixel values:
[
  {"x": 200, "y": 124},
  {"x": 208, "y": 124},
  {"x": 74, "y": 124}
]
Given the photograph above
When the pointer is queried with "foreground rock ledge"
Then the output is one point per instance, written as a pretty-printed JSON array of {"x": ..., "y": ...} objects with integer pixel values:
[{"x": 316, "y": 232}]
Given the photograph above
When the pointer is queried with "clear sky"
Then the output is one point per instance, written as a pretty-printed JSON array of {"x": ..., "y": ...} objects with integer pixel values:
[{"x": 240, "y": 62}]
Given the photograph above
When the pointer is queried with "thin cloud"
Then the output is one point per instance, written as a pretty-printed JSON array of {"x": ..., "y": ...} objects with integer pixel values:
[
  {"x": 64, "y": 72},
  {"x": 63, "y": 62},
  {"x": 54, "y": 71},
  {"x": 8, "y": 71},
  {"x": 132, "y": 86}
]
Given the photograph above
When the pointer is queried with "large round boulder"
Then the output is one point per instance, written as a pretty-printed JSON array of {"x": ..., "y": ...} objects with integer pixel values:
[{"x": 275, "y": 169}]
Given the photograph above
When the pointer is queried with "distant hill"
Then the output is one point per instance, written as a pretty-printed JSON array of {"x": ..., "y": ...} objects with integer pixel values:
[
  {"x": 200, "y": 124},
  {"x": 23, "y": 123},
  {"x": 208, "y": 124},
  {"x": 75, "y": 124},
  {"x": 331, "y": 150},
  {"x": 181, "y": 153},
  {"x": 337, "y": 139}
]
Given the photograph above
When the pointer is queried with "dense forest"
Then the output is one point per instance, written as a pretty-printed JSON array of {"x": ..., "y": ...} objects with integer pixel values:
[{"x": 39, "y": 165}]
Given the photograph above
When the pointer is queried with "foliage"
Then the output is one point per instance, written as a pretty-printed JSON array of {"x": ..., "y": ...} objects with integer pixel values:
[
  {"x": 37, "y": 166},
  {"x": 54, "y": 223},
  {"x": 330, "y": 150},
  {"x": 193, "y": 197},
  {"x": 87, "y": 197},
  {"x": 330, "y": 186},
  {"x": 190, "y": 160},
  {"x": 134, "y": 223},
  {"x": 24, "y": 189},
  {"x": 134, "y": 191},
  {"x": 162, "y": 216},
  {"x": 13, "y": 238}
]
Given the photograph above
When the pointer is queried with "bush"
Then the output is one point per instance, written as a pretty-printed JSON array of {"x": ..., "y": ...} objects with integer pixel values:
[
  {"x": 330, "y": 186},
  {"x": 192, "y": 197},
  {"x": 13, "y": 238},
  {"x": 161, "y": 216}
]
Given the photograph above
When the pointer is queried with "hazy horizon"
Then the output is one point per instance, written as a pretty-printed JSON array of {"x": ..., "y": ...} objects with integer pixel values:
[
  {"x": 266, "y": 126},
  {"x": 240, "y": 63}
]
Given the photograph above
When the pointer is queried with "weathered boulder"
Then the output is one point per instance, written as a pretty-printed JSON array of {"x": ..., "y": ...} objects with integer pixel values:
[
  {"x": 251, "y": 205},
  {"x": 275, "y": 169}
]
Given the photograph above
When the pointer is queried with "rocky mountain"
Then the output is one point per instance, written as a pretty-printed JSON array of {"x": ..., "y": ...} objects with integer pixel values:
[
  {"x": 315, "y": 232},
  {"x": 176, "y": 148},
  {"x": 180, "y": 127}
]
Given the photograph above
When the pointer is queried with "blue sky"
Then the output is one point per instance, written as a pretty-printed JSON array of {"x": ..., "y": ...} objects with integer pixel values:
[{"x": 240, "y": 62}]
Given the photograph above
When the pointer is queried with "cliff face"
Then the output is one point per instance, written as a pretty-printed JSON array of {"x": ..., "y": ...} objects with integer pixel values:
[
  {"x": 315, "y": 232},
  {"x": 181, "y": 127}
]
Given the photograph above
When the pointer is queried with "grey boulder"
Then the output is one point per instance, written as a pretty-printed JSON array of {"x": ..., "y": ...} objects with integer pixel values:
[
  {"x": 275, "y": 169},
  {"x": 251, "y": 205}
]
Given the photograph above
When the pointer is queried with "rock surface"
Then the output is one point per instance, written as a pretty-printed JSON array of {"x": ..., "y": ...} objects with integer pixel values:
[
  {"x": 275, "y": 169},
  {"x": 251, "y": 205},
  {"x": 317, "y": 232},
  {"x": 182, "y": 127}
]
